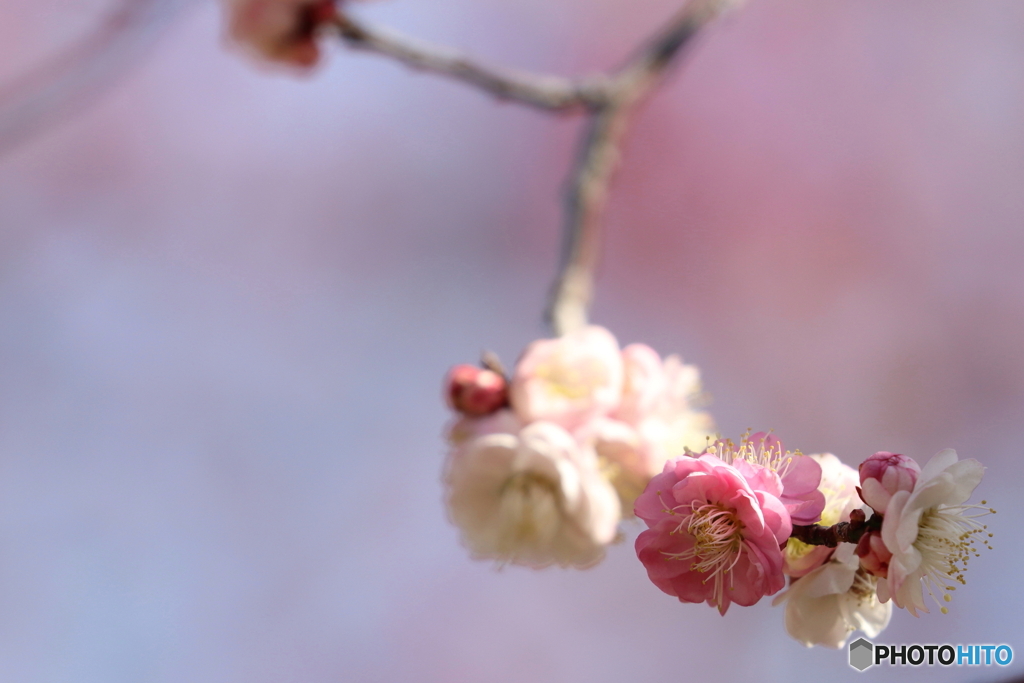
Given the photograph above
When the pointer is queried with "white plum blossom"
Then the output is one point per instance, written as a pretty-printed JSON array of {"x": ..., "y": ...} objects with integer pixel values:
[
  {"x": 832, "y": 601},
  {"x": 569, "y": 380},
  {"x": 546, "y": 477},
  {"x": 930, "y": 532},
  {"x": 621, "y": 457},
  {"x": 532, "y": 498}
]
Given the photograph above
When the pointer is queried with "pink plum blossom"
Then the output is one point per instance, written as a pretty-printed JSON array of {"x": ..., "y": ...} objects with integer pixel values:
[
  {"x": 761, "y": 456},
  {"x": 532, "y": 498},
  {"x": 475, "y": 391},
  {"x": 282, "y": 31},
  {"x": 883, "y": 474},
  {"x": 931, "y": 532},
  {"x": 659, "y": 400},
  {"x": 644, "y": 385},
  {"x": 713, "y": 535},
  {"x": 569, "y": 380}
]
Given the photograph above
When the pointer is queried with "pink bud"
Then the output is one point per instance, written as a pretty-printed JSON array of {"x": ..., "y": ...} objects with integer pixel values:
[
  {"x": 874, "y": 556},
  {"x": 883, "y": 474},
  {"x": 474, "y": 391}
]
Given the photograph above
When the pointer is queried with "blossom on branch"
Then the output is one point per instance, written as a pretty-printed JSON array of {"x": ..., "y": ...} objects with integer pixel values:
[
  {"x": 533, "y": 498},
  {"x": 714, "y": 535},
  {"x": 883, "y": 474},
  {"x": 616, "y": 415},
  {"x": 661, "y": 401},
  {"x": 874, "y": 556},
  {"x": 932, "y": 532},
  {"x": 634, "y": 409},
  {"x": 761, "y": 456},
  {"x": 832, "y": 601},
  {"x": 282, "y": 31},
  {"x": 569, "y": 380}
]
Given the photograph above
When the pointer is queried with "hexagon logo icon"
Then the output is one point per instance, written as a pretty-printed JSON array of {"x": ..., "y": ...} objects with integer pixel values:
[{"x": 861, "y": 654}]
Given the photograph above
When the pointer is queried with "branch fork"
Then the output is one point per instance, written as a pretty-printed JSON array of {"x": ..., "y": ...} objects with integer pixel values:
[{"x": 608, "y": 100}]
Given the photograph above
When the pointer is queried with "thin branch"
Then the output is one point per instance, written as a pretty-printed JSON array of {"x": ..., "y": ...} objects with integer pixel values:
[
  {"x": 47, "y": 92},
  {"x": 610, "y": 101},
  {"x": 587, "y": 192},
  {"x": 843, "y": 532},
  {"x": 552, "y": 93}
]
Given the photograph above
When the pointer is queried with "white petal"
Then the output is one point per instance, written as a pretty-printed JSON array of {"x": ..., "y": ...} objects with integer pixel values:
[
  {"x": 603, "y": 511},
  {"x": 966, "y": 476},
  {"x": 830, "y": 578},
  {"x": 816, "y": 621},
  {"x": 882, "y": 590},
  {"x": 871, "y": 616},
  {"x": 939, "y": 462}
]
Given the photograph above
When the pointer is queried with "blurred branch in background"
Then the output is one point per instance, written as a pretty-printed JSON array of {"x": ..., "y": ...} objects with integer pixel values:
[
  {"x": 538, "y": 90},
  {"x": 587, "y": 187},
  {"x": 52, "y": 90},
  {"x": 608, "y": 99}
]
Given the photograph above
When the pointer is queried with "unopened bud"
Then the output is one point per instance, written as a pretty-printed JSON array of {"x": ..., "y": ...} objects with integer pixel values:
[
  {"x": 874, "y": 556},
  {"x": 474, "y": 391},
  {"x": 883, "y": 474}
]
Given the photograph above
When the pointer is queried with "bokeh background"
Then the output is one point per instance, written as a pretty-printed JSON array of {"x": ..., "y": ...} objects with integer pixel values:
[{"x": 228, "y": 297}]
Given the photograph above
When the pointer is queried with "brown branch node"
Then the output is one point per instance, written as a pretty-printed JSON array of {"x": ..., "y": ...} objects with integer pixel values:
[{"x": 843, "y": 532}]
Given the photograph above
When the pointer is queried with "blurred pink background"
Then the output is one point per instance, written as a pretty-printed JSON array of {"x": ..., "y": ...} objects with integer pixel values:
[{"x": 228, "y": 297}]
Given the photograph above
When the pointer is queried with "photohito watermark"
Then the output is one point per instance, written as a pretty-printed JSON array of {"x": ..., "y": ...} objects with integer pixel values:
[{"x": 864, "y": 653}]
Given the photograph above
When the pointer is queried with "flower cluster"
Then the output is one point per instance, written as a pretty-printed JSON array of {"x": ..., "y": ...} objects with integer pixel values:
[
  {"x": 717, "y": 520},
  {"x": 730, "y": 524},
  {"x": 544, "y": 464}
]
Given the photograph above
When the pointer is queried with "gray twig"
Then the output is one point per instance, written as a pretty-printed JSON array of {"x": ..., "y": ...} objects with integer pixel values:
[
  {"x": 609, "y": 101},
  {"x": 46, "y": 93},
  {"x": 539, "y": 90}
]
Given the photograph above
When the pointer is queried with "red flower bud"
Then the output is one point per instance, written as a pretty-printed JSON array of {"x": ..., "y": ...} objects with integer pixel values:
[{"x": 475, "y": 391}]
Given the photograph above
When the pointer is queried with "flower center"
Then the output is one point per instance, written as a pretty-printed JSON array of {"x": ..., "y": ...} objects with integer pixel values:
[
  {"x": 573, "y": 381},
  {"x": 529, "y": 513},
  {"x": 717, "y": 543},
  {"x": 796, "y": 550},
  {"x": 864, "y": 587},
  {"x": 947, "y": 537},
  {"x": 755, "y": 452}
]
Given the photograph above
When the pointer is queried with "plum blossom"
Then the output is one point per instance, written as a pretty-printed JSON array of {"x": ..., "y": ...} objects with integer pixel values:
[
  {"x": 883, "y": 474},
  {"x": 532, "y": 498},
  {"x": 614, "y": 414},
  {"x": 655, "y": 420},
  {"x": 569, "y": 380},
  {"x": 839, "y": 487},
  {"x": 832, "y": 601},
  {"x": 659, "y": 401},
  {"x": 621, "y": 457},
  {"x": 282, "y": 31},
  {"x": 931, "y": 532},
  {"x": 713, "y": 536},
  {"x": 761, "y": 456}
]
